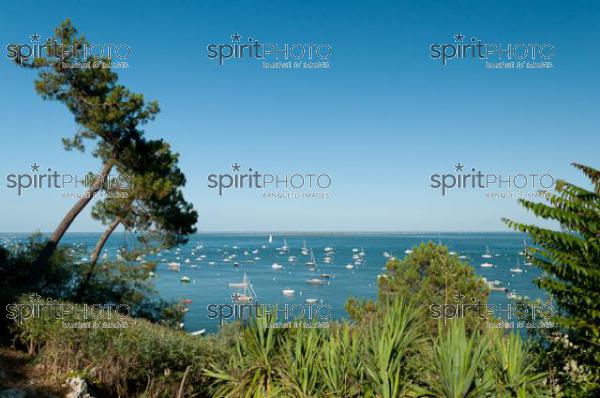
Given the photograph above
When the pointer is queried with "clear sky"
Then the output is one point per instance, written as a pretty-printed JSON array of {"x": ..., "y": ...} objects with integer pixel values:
[{"x": 380, "y": 121}]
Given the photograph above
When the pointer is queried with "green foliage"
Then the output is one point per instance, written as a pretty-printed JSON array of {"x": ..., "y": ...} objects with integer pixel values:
[
  {"x": 392, "y": 348},
  {"x": 106, "y": 111},
  {"x": 341, "y": 362},
  {"x": 515, "y": 367},
  {"x": 570, "y": 259},
  {"x": 429, "y": 275},
  {"x": 458, "y": 369},
  {"x": 252, "y": 369},
  {"x": 117, "y": 282},
  {"x": 143, "y": 359},
  {"x": 152, "y": 204}
]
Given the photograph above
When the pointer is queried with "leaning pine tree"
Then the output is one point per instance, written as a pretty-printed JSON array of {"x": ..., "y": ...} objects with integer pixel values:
[
  {"x": 107, "y": 114},
  {"x": 570, "y": 258}
]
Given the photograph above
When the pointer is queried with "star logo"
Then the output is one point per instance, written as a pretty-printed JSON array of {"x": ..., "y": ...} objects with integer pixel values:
[
  {"x": 459, "y": 37},
  {"x": 35, "y": 167},
  {"x": 459, "y": 297},
  {"x": 459, "y": 167},
  {"x": 235, "y": 37},
  {"x": 235, "y": 167},
  {"x": 35, "y": 37}
]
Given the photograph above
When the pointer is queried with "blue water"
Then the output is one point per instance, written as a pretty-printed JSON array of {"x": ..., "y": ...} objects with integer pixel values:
[{"x": 209, "y": 283}]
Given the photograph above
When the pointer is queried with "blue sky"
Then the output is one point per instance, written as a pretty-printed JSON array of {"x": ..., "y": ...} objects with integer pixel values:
[{"x": 380, "y": 121}]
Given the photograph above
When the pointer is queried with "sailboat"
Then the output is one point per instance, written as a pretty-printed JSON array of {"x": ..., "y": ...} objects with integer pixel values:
[
  {"x": 248, "y": 294},
  {"x": 488, "y": 253},
  {"x": 277, "y": 266},
  {"x": 304, "y": 249},
  {"x": 270, "y": 238},
  {"x": 518, "y": 268},
  {"x": 312, "y": 263},
  {"x": 285, "y": 247}
]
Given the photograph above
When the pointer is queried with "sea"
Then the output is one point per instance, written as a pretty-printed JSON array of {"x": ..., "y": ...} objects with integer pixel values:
[{"x": 209, "y": 262}]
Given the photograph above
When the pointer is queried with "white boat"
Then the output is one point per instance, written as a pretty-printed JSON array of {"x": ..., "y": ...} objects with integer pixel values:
[
  {"x": 486, "y": 265},
  {"x": 387, "y": 255},
  {"x": 270, "y": 238},
  {"x": 328, "y": 249},
  {"x": 304, "y": 249},
  {"x": 487, "y": 254},
  {"x": 247, "y": 294},
  {"x": 513, "y": 296},
  {"x": 238, "y": 285},
  {"x": 316, "y": 281},
  {"x": 285, "y": 247},
  {"x": 198, "y": 332},
  {"x": 462, "y": 257},
  {"x": 312, "y": 263},
  {"x": 288, "y": 292},
  {"x": 517, "y": 269},
  {"x": 292, "y": 259},
  {"x": 276, "y": 266},
  {"x": 173, "y": 266},
  {"x": 355, "y": 250},
  {"x": 211, "y": 263},
  {"x": 311, "y": 300},
  {"x": 349, "y": 266},
  {"x": 185, "y": 279},
  {"x": 408, "y": 251}
]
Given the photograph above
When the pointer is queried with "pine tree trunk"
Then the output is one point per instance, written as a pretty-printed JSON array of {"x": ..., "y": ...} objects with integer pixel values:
[
  {"x": 102, "y": 240},
  {"x": 94, "y": 257},
  {"x": 45, "y": 254}
]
